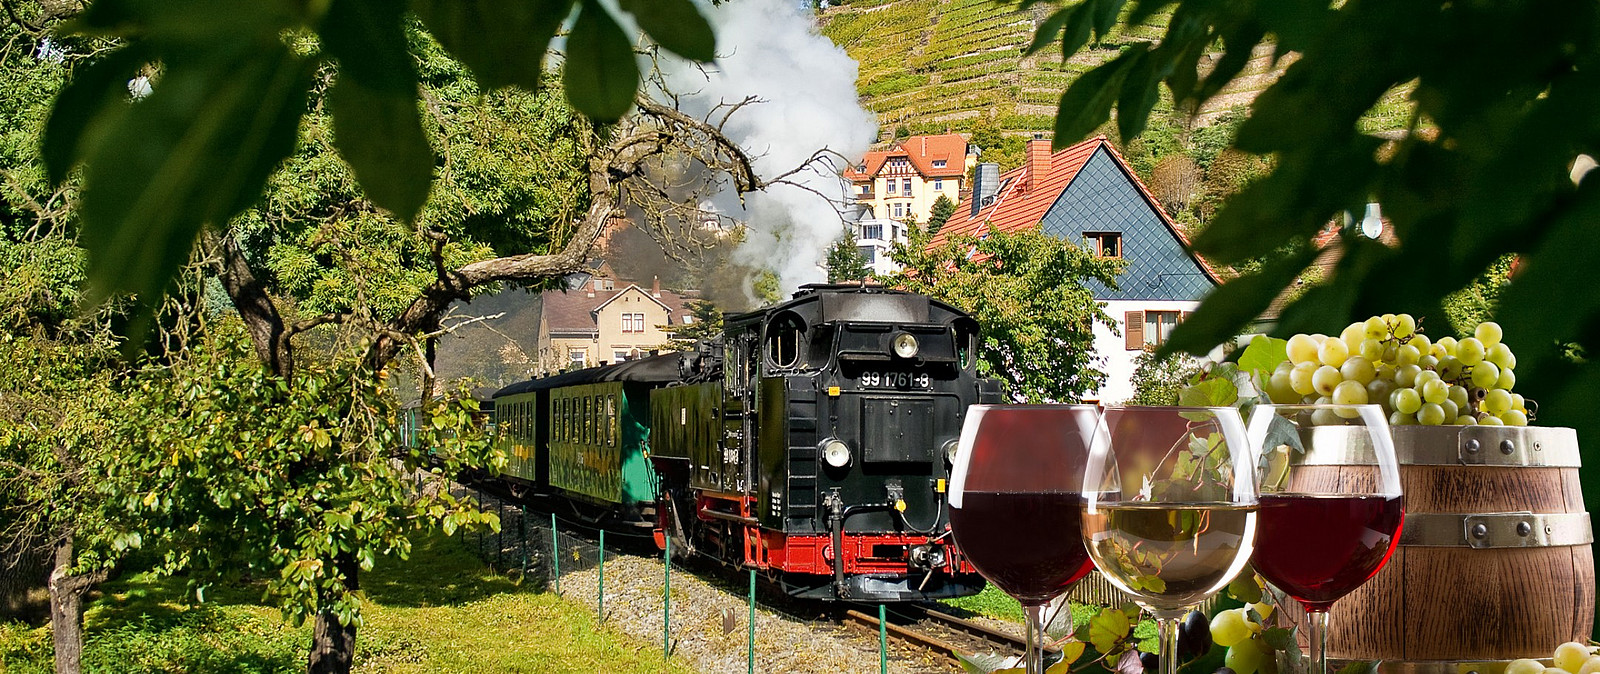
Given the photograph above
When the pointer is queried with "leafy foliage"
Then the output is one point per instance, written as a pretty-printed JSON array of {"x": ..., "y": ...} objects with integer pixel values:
[
  {"x": 227, "y": 469},
  {"x": 939, "y": 213},
  {"x": 845, "y": 262},
  {"x": 1484, "y": 170},
  {"x": 1157, "y": 381},
  {"x": 1026, "y": 291}
]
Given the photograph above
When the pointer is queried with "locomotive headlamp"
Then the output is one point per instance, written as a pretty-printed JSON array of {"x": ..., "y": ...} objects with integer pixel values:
[
  {"x": 905, "y": 345},
  {"x": 950, "y": 446},
  {"x": 835, "y": 452}
]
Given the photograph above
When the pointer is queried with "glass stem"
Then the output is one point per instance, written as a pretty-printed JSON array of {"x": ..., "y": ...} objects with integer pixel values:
[
  {"x": 1318, "y": 641},
  {"x": 1167, "y": 636},
  {"x": 1033, "y": 657}
]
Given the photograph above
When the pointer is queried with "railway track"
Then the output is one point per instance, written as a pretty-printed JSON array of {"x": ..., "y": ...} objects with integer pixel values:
[{"x": 934, "y": 630}]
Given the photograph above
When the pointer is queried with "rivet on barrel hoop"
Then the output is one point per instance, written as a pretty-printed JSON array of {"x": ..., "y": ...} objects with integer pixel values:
[
  {"x": 1523, "y": 529},
  {"x": 1472, "y": 446},
  {"x": 1506, "y": 447},
  {"x": 1480, "y": 530}
]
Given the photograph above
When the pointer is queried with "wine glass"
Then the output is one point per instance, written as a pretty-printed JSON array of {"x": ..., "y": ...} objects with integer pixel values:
[
  {"x": 1014, "y": 504},
  {"x": 1331, "y": 505},
  {"x": 1170, "y": 508}
]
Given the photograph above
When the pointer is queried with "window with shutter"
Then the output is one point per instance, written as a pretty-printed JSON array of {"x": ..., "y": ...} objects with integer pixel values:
[{"x": 1133, "y": 330}]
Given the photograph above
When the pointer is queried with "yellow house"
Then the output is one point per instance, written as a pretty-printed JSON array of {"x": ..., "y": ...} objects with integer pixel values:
[
  {"x": 599, "y": 323},
  {"x": 903, "y": 181}
]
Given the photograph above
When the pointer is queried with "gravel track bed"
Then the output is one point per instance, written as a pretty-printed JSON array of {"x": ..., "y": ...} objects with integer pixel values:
[{"x": 804, "y": 640}]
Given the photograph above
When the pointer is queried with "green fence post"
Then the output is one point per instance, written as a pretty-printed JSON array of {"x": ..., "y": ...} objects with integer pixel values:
[
  {"x": 522, "y": 540},
  {"x": 883, "y": 641},
  {"x": 500, "y": 536},
  {"x": 555, "y": 556},
  {"x": 752, "y": 651},
  {"x": 602, "y": 583},
  {"x": 666, "y": 602}
]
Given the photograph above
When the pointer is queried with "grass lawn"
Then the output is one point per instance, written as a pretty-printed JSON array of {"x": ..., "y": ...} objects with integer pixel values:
[{"x": 441, "y": 611}]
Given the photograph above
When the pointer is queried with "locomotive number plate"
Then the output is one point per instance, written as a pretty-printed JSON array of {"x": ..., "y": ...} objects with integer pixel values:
[{"x": 896, "y": 380}]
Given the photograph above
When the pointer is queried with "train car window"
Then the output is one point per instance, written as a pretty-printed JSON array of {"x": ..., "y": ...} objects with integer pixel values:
[
  {"x": 784, "y": 336},
  {"x": 967, "y": 345},
  {"x": 561, "y": 419},
  {"x": 611, "y": 420},
  {"x": 588, "y": 420}
]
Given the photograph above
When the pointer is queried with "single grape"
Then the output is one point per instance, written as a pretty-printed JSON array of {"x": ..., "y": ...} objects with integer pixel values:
[
  {"x": 1451, "y": 411},
  {"x": 1422, "y": 343},
  {"x": 1514, "y": 418},
  {"x": 1324, "y": 417},
  {"x": 1488, "y": 333},
  {"x": 1386, "y": 371},
  {"x": 1350, "y": 392},
  {"x": 1449, "y": 367},
  {"x": 1358, "y": 369},
  {"x": 1466, "y": 420},
  {"x": 1571, "y": 655},
  {"x": 1407, "y": 400},
  {"x": 1431, "y": 414},
  {"x": 1501, "y": 355},
  {"x": 1525, "y": 666},
  {"x": 1555, "y": 670},
  {"x": 1333, "y": 352},
  {"x": 1326, "y": 378},
  {"x": 1485, "y": 419},
  {"x": 1470, "y": 351},
  {"x": 1458, "y": 395},
  {"x": 1398, "y": 418},
  {"x": 1434, "y": 390},
  {"x": 1428, "y": 362},
  {"x": 1407, "y": 354},
  {"x": 1302, "y": 349},
  {"x": 1497, "y": 401},
  {"x": 1377, "y": 328},
  {"x": 1590, "y": 666},
  {"x": 1300, "y": 378},
  {"x": 1371, "y": 349},
  {"x": 1518, "y": 402},
  {"x": 1194, "y": 637},
  {"x": 1230, "y": 627},
  {"x": 1446, "y": 344},
  {"x": 1378, "y": 391},
  {"x": 1507, "y": 378},
  {"x": 1426, "y": 376},
  {"x": 1485, "y": 374},
  {"x": 1150, "y": 661},
  {"x": 1353, "y": 334},
  {"x": 1404, "y": 326},
  {"x": 1390, "y": 352},
  {"x": 1406, "y": 375},
  {"x": 1243, "y": 657}
]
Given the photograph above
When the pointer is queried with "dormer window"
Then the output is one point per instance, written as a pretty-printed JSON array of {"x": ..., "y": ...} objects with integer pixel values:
[{"x": 938, "y": 163}]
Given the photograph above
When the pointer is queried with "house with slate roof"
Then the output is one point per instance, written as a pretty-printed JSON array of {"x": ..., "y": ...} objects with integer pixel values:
[
  {"x": 1088, "y": 195},
  {"x": 900, "y": 183},
  {"x": 602, "y": 322}
]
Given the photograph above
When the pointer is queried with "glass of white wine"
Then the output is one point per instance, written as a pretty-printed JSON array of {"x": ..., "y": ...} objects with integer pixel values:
[{"x": 1169, "y": 508}]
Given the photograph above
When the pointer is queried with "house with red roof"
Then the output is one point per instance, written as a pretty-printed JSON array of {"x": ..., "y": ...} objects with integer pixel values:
[
  {"x": 603, "y": 322},
  {"x": 901, "y": 183},
  {"x": 1087, "y": 194}
]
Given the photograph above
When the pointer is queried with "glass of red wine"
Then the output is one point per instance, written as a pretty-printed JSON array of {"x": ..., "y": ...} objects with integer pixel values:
[
  {"x": 1014, "y": 504},
  {"x": 1331, "y": 504},
  {"x": 1170, "y": 508}
]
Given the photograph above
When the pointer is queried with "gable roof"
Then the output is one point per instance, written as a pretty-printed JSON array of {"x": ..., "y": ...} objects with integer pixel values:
[
  {"x": 574, "y": 310},
  {"x": 1024, "y": 198},
  {"x": 922, "y": 152}
]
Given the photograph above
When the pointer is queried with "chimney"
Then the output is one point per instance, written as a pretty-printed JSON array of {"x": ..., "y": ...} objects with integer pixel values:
[
  {"x": 985, "y": 184},
  {"x": 1038, "y": 158},
  {"x": 655, "y": 287}
]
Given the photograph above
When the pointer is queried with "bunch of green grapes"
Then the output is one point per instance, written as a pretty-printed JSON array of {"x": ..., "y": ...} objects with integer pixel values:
[
  {"x": 1386, "y": 360},
  {"x": 1570, "y": 658}
]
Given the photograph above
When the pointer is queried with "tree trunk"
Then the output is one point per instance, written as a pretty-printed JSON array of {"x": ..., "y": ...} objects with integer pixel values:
[
  {"x": 333, "y": 646},
  {"x": 66, "y": 607}
]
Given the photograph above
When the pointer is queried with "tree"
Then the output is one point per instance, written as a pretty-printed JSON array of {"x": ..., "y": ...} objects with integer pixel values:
[
  {"x": 845, "y": 262},
  {"x": 939, "y": 213},
  {"x": 706, "y": 325},
  {"x": 1026, "y": 291},
  {"x": 1157, "y": 381},
  {"x": 1483, "y": 170}
]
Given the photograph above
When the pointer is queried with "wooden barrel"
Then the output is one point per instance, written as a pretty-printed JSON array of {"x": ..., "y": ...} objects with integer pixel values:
[{"x": 1494, "y": 560}]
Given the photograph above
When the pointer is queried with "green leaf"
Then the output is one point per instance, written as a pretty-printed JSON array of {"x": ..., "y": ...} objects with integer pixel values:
[
  {"x": 379, "y": 133},
  {"x": 601, "y": 75},
  {"x": 369, "y": 40},
  {"x": 982, "y": 663},
  {"x": 1263, "y": 354},
  {"x": 1243, "y": 587},
  {"x": 1050, "y": 29},
  {"x": 676, "y": 25},
  {"x": 1140, "y": 91},
  {"x": 503, "y": 41},
  {"x": 1359, "y": 668},
  {"x": 1209, "y": 392},
  {"x": 1234, "y": 305},
  {"x": 1086, "y": 104},
  {"x": 1108, "y": 628},
  {"x": 1078, "y": 30},
  {"x": 196, "y": 151},
  {"x": 1105, "y": 15},
  {"x": 86, "y": 107}
]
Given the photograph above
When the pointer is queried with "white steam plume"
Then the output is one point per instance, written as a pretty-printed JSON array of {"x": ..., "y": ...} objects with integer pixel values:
[{"x": 770, "y": 49}]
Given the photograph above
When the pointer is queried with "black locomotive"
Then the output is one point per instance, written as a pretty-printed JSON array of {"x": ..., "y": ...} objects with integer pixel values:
[{"x": 811, "y": 442}]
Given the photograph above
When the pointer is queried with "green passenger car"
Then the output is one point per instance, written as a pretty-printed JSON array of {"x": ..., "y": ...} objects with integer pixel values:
[
  {"x": 518, "y": 433},
  {"x": 598, "y": 435}
]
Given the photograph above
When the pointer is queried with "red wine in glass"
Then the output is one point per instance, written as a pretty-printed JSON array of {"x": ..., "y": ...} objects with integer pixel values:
[
  {"x": 1028, "y": 544},
  {"x": 1319, "y": 547}
]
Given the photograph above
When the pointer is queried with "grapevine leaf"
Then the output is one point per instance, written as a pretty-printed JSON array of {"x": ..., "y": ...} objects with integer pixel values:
[
  {"x": 1129, "y": 663},
  {"x": 676, "y": 25},
  {"x": 983, "y": 663},
  {"x": 1108, "y": 628},
  {"x": 1243, "y": 587},
  {"x": 1279, "y": 639},
  {"x": 601, "y": 74},
  {"x": 196, "y": 151},
  {"x": 1264, "y": 354},
  {"x": 86, "y": 107},
  {"x": 1070, "y": 652},
  {"x": 502, "y": 41},
  {"x": 1209, "y": 392}
]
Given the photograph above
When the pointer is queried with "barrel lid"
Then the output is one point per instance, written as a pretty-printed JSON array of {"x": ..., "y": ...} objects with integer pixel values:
[{"x": 1525, "y": 446}]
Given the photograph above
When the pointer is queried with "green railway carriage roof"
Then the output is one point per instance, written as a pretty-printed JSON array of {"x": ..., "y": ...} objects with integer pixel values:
[{"x": 652, "y": 370}]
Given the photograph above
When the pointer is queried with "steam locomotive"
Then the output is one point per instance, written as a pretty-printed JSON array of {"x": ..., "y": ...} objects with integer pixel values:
[{"x": 812, "y": 441}]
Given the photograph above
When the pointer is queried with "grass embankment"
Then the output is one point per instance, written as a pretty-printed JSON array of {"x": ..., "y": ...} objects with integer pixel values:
[
  {"x": 441, "y": 611},
  {"x": 996, "y": 604}
]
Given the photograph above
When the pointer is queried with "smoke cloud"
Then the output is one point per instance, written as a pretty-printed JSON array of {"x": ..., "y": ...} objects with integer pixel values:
[{"x": 771, "y": 49}]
